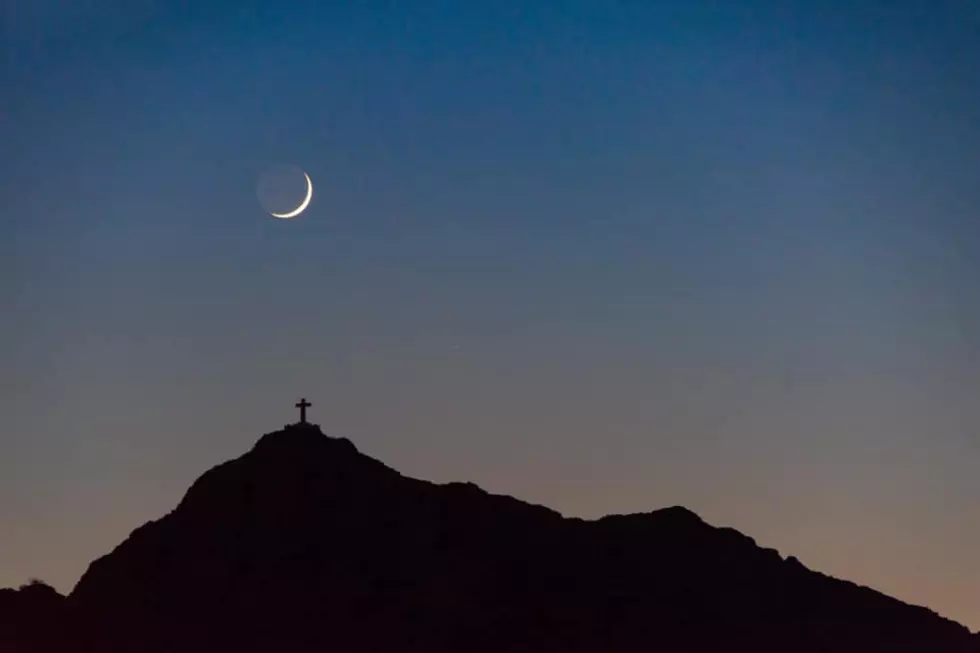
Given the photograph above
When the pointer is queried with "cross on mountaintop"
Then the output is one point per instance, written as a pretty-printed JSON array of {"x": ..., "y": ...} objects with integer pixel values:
[{"x": 303, "y": 404}]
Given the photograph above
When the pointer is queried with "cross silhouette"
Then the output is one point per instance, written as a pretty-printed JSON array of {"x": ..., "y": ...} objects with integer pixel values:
[{"x": 303, "y": 405}]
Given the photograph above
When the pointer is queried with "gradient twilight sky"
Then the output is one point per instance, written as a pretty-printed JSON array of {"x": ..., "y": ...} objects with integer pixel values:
[{"x": 605, "y": 256}]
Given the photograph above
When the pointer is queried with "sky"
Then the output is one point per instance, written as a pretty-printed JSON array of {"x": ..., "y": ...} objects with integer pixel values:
[{"x": 607, "y": 256}]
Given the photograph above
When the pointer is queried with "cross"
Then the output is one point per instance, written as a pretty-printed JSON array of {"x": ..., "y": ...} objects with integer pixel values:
[{"x": 303, "y": 405}]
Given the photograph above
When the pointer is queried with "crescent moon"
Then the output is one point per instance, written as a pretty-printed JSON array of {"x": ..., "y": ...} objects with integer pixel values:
[{"x": 302, "y": 207}]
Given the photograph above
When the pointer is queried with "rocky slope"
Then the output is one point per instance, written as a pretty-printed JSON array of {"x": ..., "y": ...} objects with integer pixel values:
[{"x": 305, "y": 544}]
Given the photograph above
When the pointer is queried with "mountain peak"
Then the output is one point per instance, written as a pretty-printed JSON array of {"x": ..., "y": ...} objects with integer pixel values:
[
  {"x": 304, "y": 543},
  {"x": 302, "y": 438}
]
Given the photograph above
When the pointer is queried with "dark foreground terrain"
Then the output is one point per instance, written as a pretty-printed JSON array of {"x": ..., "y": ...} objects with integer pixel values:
[{"x": 304, "y": 544}]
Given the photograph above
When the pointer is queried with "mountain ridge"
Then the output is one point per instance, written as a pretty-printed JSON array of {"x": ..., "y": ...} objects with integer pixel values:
[{"x": 305, "y": 542}]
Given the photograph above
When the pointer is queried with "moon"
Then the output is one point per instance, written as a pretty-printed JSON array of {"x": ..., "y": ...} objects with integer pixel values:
[{"x": 302, "y": 205}]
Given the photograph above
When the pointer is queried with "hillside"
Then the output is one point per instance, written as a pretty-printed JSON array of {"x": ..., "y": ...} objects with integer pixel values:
[{"x": 305, "y": 544}]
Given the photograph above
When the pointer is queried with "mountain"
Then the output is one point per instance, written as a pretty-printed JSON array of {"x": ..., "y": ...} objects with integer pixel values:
[
  {"x": 304, "y": 544},
  {"x": 34, "y": 618}
]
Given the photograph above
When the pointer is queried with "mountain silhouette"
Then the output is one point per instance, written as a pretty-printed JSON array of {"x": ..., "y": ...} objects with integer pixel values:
[{"x": 304, "y": 544}]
